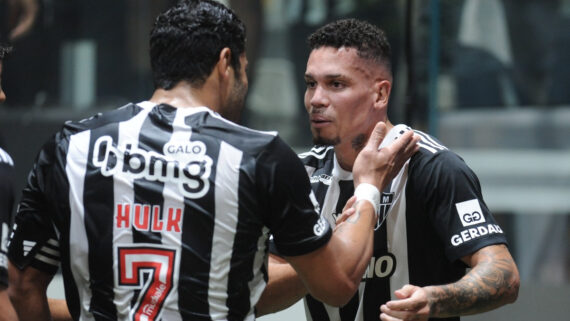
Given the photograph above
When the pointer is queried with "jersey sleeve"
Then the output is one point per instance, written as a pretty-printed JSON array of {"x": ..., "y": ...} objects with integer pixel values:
[
  {"x": 292, "y": 214},
  {"x": 450, "y": 194},
  {"x": 34, "y": 240},
  {"x": 6, "y": 206}
]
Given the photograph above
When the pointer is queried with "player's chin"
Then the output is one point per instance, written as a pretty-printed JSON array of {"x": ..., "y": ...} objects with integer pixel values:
[{"x": 319, "y": 139}]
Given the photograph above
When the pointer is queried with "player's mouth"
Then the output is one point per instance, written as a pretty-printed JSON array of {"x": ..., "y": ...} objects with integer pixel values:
[{"x": 319, "y": 121}]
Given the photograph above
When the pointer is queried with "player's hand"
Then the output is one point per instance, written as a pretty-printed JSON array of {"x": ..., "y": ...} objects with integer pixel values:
[
  {"x": 413, "y": 304},
  {"x": 347, "y": 211},
  {"x": 379, "y": 166}
]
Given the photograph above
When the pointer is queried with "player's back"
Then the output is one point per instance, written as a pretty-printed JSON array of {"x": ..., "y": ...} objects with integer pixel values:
[{"x": 158, "y": 213}]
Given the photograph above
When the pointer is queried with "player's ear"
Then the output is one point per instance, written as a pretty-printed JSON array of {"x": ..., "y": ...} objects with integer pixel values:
[
  {"x": 224, "y": 66},
  {"x": 382, "y": 88}
]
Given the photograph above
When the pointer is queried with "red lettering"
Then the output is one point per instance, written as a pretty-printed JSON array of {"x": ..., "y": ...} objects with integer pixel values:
[
  {"x": 142, "y": 222},
  {"x": 173, "y": 222},
  {"x": 157, "y": 223},
  {"x": 123, "y": 217}
]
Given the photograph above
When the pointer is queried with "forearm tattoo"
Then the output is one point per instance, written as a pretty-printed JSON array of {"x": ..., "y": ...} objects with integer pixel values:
[{"x": 487, "y": 286}]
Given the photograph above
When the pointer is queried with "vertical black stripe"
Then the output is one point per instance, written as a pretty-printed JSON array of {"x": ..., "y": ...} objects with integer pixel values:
[
  {"x": 316, "y": 309},
  {"x": 147, "y": 192},
  {"x": 98, "y": 203},
  {"x": 248, "y": 232},
  {"x": 376, "y": 289},
  {"x": 63, "y": 223},
  {"x": 348, "y": 311},
  {"x": 198, "y": 230}
]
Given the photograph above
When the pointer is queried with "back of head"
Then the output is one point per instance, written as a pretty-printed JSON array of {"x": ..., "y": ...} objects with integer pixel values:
[
  {"x": 370, "y": 41},
  {"x": 186, "y": 40}
]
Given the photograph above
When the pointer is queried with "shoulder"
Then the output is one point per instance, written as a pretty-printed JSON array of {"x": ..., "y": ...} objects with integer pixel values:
[
  {"x": 101, "y": 119},
  {"x": 433, "y": 155}
]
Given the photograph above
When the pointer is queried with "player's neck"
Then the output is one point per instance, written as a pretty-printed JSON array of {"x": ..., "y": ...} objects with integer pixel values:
[
  {"x": 184, "y": 95},
  {"x": 346, "y": 153}
]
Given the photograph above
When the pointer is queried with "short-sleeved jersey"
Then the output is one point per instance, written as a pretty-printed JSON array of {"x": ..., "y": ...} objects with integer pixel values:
[
  {"x": 431, "y": 215},
  {"x": 163, "y": 213},
  {"x": 6, "y": 206}
]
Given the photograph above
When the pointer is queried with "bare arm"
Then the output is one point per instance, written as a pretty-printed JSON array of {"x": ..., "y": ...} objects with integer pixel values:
[
  {"x": 8, "y": 313},
  {"x": 283, "y": 289},
  {"x": 28, "y": 293},
  {"x": 284, "y": 286},
  {"x": 492, "y": 282},
  {"x": 58, "y": 310}
]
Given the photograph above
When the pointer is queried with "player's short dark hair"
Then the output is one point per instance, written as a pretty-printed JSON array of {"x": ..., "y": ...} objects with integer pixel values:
[
  {"x": 186, "y": 41},
  {"x": 5, "y": 50},
  {"x": 370, "y": 41}
]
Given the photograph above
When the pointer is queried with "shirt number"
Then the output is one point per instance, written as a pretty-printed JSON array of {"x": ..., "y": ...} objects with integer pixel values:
[{"x": 148, "y": 269}]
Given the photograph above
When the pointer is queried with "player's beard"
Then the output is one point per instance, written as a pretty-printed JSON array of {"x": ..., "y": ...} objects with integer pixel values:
[
  {"x": 320, "y": 140},
  {"x": 236, "y": 102},
  {"x": 357, "y": 142}
]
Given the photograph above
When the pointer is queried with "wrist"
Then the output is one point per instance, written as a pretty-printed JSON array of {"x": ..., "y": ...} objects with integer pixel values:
[{"x": 370, "y": 193}]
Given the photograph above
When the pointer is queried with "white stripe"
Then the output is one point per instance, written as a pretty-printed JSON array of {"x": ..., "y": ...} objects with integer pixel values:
[
  {"x": 431, "y": 140},
  {"x": 397, "y": 232},
  {"x": 173, "y": 199},
  {"x": 46, "y": 259},
  {"x": 48, "y": 250},
  {"x": 433, "y": 150},
  {"x": 53, "y": 242},
  {"x": 4, "y": 237},
  {"x": 123, "y": 192},
  {"x": 425, "y": 141},
  {"x": 5, "y": 157},
  {"x": 29, "y": 243},
  {"x": 226, "y": 201},
  {"x": 78, "y": 246},
  {"x": 257, "y": 284}
]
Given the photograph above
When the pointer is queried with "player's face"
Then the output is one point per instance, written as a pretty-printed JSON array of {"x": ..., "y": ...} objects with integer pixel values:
[
  {"x": 236, "y": 100},
  {"x": 341, "y": 96},
  {"x": 2, "y": 94}
]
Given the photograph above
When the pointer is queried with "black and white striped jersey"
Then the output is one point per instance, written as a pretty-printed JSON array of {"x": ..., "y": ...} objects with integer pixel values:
[
  {"x": 159, "y": 213},
  {"x": 432, "y": 214},
  {"x": 6, "y": 206}
]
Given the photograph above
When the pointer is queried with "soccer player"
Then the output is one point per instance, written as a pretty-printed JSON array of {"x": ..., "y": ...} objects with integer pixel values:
[
  {"x": 162, "y": 210},
  {"x": 433, "y": 222},
  {"x": 6, "y": 205}
]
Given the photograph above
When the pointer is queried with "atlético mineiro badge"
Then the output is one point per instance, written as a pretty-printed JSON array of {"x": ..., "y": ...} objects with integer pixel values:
[{"x": 386, "y": 200}]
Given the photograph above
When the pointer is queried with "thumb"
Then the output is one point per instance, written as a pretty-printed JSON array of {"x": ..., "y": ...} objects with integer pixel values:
[
  {"x": 404, "y": 292},
  {"x": 377, "y": 135}
]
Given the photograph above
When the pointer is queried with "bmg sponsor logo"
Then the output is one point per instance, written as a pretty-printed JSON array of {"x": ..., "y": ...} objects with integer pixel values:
[
  {"x": 190, "y": 171},
  {"x": 470, "y": 212}
]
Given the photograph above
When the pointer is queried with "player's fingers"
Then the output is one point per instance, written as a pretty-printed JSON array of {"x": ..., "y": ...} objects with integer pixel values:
[
  {"x": 345, "y": 215},
  {"x": 386, "y": 314},
  {"x": 377, "y": 135},
  {"x": 405, "y": 292},
  {"x": 349, "y": 203}
]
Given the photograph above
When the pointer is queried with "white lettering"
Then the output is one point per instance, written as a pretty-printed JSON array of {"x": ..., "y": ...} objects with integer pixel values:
[
  {"x": 382, "y": 267},
  {"x": 465, "y": 235},
  {"x": 191, "y": 171},
  {"x": 456, "y": 240},
  {"x": 473, "y": 233}
]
